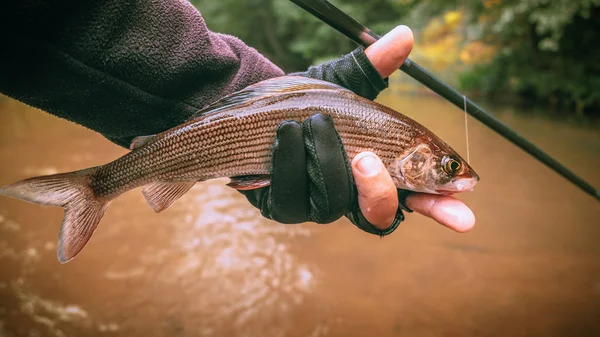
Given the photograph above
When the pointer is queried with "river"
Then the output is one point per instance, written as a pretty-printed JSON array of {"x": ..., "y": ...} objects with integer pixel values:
[{"x": 212, "y": 266}]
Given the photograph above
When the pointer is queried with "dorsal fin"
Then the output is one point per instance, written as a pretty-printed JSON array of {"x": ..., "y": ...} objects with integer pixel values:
[{"x": 266, "y": 88}]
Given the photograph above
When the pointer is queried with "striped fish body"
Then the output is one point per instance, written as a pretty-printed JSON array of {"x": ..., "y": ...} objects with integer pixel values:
[{"x": 234, "y": 137}]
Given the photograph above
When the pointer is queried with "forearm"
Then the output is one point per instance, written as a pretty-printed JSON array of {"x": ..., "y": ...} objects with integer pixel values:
[{"x": 122, "y": 68}]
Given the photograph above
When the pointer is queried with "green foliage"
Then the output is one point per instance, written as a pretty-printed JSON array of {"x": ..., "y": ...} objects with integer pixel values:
[
  {"x": 546, "y": 50},
  {"x": 289, "y": 36}
]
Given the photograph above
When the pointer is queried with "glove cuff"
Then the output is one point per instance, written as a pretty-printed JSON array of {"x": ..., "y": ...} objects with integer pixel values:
[
  {"x": 358, "y": 219},
  {"x": 368, "y": 69},
  {"x": 353, "y": 71}
]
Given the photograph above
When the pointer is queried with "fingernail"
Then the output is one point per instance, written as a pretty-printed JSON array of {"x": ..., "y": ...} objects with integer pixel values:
[{"x": 368, "y": 166}]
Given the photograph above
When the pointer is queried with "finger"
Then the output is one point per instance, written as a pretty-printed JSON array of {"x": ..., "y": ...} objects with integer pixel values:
[
  {"x": 289, "y": 179},
  {"x": 331, "y": 189},
  {"x": 377, "y": 196},
  {"x": 446, "y": 210},
  {"x": 389, "y": 52}
]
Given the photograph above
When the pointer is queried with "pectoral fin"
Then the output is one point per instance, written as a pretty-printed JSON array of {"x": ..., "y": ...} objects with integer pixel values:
[
  {"x": 244, "y": 183},
  {"x": 161, "y": 195},
  {"x": 140, "y": 141}
]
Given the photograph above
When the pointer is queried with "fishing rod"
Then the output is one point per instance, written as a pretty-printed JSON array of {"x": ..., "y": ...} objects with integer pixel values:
[{"x": 354, "y": 30}]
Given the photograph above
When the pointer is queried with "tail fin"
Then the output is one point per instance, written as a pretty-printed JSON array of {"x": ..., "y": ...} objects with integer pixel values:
[{"x": 72, "y": 191}]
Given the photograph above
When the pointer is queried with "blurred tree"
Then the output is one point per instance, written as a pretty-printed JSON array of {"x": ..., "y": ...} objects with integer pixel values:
[
  {"x": 289, "y": 36},
  {"x": 543, "y": 50},
  {"x": 546, "y": 50}
]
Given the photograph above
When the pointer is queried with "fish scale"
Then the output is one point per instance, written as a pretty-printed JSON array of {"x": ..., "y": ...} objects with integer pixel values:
[{"x": 221, "y": 142}]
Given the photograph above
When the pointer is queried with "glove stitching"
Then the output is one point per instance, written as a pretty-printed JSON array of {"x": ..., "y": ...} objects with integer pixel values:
[
  {"x": 269, "y": 201},
  {"x": 352, "y": 191},
  {"x": 312, "y": 152},
  {"x": 362, "y": 70}
]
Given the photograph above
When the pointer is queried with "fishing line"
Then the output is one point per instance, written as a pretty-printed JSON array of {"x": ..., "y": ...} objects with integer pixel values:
[{"x": 466, "y": 130}]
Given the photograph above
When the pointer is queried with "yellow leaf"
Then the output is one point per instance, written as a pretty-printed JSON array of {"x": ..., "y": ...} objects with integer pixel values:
[{"x": 453, "y": 18}]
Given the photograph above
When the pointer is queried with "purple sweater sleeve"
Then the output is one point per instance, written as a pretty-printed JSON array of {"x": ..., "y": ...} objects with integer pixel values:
[{"x": 121, "y": 68}]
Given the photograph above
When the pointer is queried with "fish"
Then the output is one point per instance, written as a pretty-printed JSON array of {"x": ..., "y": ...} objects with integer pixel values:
[{"x": 232, "y": 138}]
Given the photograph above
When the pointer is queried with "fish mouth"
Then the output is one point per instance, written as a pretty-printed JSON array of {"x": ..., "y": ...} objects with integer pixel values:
[{"x": 459, "y": 185}]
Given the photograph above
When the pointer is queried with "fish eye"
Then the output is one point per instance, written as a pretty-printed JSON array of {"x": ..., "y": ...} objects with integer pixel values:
[{"x": 450, "y": 165}]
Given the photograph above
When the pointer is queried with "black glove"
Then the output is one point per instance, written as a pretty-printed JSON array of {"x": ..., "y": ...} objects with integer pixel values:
[
  {"x": 352, "y": 71},
  {"x": 311, "y": 178}
]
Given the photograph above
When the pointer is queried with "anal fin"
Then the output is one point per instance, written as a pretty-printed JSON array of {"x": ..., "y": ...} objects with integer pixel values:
[
  {"x": 161, "y": 195},
  {"x": 244, "y": 183}
]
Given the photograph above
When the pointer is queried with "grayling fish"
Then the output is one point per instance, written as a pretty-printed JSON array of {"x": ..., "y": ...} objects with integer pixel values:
[{"x": 233, "y": 138}]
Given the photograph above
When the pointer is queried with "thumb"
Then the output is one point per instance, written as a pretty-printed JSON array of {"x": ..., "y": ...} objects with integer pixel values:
[
  {"x": 377, "y": 195},
  {"x": 389, "y": 52}
]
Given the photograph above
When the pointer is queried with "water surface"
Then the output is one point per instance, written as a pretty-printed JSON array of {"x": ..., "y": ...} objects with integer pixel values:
[{"x": 212, "y": 266}]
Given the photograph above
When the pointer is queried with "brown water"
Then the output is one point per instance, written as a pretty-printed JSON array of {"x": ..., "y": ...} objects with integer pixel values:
[{"x": 212, "y": 266}]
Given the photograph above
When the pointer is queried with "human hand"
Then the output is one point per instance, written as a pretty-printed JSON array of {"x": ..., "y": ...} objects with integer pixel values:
[
  {"x": 377, "y": 194},
  {"x": 311, "y": 178},
  {"x": 288, "y": 199}
]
